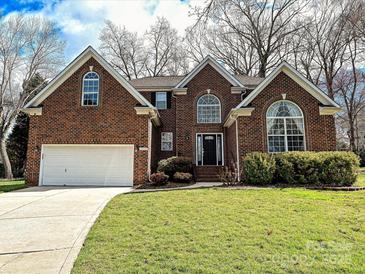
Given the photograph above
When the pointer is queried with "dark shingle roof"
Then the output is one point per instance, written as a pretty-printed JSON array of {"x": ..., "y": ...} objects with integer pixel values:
[
  {"x": 172, "y": 81},
  {"x": 158, "y": 81},
  {"x": 248, "y": 80}
]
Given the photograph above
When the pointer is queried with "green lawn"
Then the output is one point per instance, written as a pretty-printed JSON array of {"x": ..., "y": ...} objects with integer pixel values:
[
  {"x": 6, "y": 186},
  {"x": 360, "y": 180},
  {"x": 226, "y": 230}
]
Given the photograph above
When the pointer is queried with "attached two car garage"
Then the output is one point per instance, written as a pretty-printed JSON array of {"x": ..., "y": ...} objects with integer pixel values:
[{"x": 87, "y": 165}]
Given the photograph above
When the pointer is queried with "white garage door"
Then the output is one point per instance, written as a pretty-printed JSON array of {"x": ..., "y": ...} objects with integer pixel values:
[{"x": 94, "y": 165}]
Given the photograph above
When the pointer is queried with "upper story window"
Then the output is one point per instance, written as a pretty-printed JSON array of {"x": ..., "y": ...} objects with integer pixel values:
[
  {"x": 90, "y": 89},
  {"x": 285, "y": 127},
  {"x": 209, "y": 109},
  {"x": 161, "y": 100}
]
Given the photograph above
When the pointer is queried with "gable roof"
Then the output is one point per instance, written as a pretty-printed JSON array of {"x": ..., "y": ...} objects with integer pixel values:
[
  {"x": 156, "y": 81},
  {"x": 249, "y": 81},
  {"x": 295, "y": 76},
  {"x": 74, "y": 66},
  {"x": 169, "y": 82},
  {"x": 211, "y": 61}
]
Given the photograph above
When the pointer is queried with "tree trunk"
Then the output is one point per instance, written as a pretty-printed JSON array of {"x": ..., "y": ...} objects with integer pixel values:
[
  {"x": 352, "y": 136},
  {"x": 5, "y": 159},
  {"x": 262, "y": 71}
]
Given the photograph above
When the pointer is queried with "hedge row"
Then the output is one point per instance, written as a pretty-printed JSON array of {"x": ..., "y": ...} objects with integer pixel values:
[{"x": 301, "y": 168}]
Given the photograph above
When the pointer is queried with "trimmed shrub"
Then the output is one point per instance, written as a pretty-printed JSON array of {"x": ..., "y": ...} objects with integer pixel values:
[
  {"x": 339, "y": 168},
  {"x": 183, "y": 177},
  {"x": 316, "y": 168},
  {"x": 175, "y": 164},
  {"x": 298, "y": 167},
  {"x": 258, "y": 168},
  {"x": 302, "y": 168},
  {"x": 159, "y": 178}
]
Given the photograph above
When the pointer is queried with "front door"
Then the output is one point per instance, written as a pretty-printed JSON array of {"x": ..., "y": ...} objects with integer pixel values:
[{"x": 209, "y": 149}]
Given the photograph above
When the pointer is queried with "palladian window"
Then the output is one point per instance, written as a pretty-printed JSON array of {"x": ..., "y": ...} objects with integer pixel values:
[
  {"x": 285, "y": 127},
  {"x": 209, "y": 109}
]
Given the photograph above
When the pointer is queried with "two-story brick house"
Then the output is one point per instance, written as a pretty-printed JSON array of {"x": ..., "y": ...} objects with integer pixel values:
[{"x": 90, "y": 126}]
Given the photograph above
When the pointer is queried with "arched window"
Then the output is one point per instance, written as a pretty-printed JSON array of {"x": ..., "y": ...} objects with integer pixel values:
[
  {"x": 209, "y": 109},
  {"x": 285, "y": 127},
  {"x": 90, "y": 89}
]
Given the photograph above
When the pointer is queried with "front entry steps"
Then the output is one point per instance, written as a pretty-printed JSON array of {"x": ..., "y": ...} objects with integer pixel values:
[{"x": 207, "y": 173}]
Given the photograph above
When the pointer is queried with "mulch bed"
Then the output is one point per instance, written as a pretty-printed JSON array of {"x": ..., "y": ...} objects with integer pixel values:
[
  {"x": 174, "y": 185},
  {"x": 338, "y": 188},
  {"x": 9, "y": 180},
  {"x": 168, "y": 185},
  {"x": 332, "y": 188}
]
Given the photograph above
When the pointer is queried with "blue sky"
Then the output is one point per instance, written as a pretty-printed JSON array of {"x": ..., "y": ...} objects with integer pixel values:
[{"x": 80, "y": 21}]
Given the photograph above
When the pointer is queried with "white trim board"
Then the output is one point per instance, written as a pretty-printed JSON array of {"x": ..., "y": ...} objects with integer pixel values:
[
  {"x": 295, "y": 76},
  {"x": 238, "y": 151},
  {"x": 237, "y": 112},
  {"x": 73, "y": 67},
  {"x": 211, "y": 61}
]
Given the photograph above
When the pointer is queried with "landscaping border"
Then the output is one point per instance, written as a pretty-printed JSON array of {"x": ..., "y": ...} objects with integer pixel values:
[{"x": 338, "y": 188}]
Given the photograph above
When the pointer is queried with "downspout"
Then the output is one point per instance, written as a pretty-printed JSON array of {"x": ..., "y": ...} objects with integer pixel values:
[
  {"x": 237, "y": 152},
  {"x": 149, "y": 149}
]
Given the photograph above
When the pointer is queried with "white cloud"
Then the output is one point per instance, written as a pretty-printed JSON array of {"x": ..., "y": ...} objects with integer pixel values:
[{"x": 81, "y": 21}]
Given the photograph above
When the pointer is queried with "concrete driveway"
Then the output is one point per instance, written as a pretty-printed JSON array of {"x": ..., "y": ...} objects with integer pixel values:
[{"x": 43, "y": 228}]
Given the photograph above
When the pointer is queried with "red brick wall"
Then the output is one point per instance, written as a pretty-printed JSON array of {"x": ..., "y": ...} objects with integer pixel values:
[
  {"x": 231, "y": 145},
  {"x": 168, "y": 120},
  {"x": 319, "y": 129},
  {"x": 186, "y": 111},
  {"x": 65, "y": 121}
]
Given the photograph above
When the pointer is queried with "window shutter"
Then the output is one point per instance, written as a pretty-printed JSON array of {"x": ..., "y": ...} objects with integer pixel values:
[
  {"x": 168, "y": 98},
  {"x": 153, "y": 98}
]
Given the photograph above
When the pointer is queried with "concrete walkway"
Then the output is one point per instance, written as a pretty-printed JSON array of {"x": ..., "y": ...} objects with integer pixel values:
[{"x": 42, "y": 229}]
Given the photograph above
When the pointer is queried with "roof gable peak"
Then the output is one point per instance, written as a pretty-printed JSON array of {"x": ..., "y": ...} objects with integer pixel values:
[
  {"x": 218, "y": 67},
  {"x": 291, "y": 72},
  {"x": 73, "y": 66}
]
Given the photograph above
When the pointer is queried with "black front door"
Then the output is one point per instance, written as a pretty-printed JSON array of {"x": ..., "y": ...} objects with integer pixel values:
[{"x": 210, "y": 149}]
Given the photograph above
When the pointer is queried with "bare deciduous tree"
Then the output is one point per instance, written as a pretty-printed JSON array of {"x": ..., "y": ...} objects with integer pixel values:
[
  {"x": 157, "y": 53},
  {"x": 233, "y": 50},
  {"x": 164, "y": 54},
  {"x": 265, "y": 25},
  {"x": 28, "y": 45},
  {"x": 194, "y": 42},
  {"x": 302, "y": 56},
  {"x": 178, "y": 63},
  {"x": 328, "y": 37},
  {"x": 123, "y": 49},
  {"x": 349, "y": 88},
  {"x": 357, "y": 17}
]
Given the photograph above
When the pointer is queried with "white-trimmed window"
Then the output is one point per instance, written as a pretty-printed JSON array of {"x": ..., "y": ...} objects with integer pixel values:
[
  {"x": 161, "y": 100},
  {"x": 166, "y": 141},
  {"x": 90, "y": 89},
  {"x": 285, "y": 127},
  {"x": 208, "y": 109}
]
